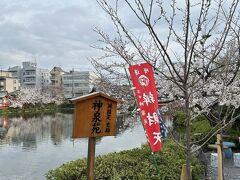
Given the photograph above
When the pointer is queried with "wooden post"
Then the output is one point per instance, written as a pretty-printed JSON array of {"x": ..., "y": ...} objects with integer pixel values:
[
  {"x": 220, "y": 157},
  {"x": 91, "y": 158},
  {"x": 219, "y": 148},
  {"x": 184, "y": 172},
  {"x": 219, "y": 160}
]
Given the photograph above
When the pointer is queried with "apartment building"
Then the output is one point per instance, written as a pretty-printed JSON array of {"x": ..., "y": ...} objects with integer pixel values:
[
  {"x": 56, "y": 85},
  {"x": 56, "y": 77},
  {"x": 30, "y": 75},
  {"x": 16, "y": 72},
  {"x": 77, "y": 83},
  {"x": 8, "y": 83},
  {"x": 44, "y": 78}
]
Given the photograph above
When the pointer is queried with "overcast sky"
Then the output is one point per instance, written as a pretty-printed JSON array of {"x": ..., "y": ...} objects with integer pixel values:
[
  {"x": 54, "y": 33},
  {"x": 57, "y": 32}
]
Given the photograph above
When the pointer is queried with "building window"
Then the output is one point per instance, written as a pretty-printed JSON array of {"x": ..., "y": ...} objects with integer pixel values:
[{"x": 67, "y": 85}]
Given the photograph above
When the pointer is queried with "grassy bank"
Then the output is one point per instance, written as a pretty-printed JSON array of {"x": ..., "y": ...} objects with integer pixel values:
[
  {"x": 131, "y": 164},
  {"x": 36, "y": 109}
]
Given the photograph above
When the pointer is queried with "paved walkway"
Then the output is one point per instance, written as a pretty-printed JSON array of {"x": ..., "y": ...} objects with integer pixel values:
[{"x": 230, "y": 172}]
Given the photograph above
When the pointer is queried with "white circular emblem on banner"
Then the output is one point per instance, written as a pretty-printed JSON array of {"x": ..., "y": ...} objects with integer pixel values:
[{"x": 143, "y": 80}]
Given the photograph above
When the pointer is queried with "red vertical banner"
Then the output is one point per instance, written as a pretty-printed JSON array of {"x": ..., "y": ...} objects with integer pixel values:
[{"x": 146, "y": 95}]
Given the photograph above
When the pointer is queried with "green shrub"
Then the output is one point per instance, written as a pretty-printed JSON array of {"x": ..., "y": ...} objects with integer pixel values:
[
  {"x": 66, "y": 104},
  {"x": 200, "y": 128},
  {"x": 131, "y": 164},
  {"x": 179, "y": 119},
  {"x": 30, "y": 110}
]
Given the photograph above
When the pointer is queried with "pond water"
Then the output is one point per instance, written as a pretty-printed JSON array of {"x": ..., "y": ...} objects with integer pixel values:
[{"x": 29, "y": 147}]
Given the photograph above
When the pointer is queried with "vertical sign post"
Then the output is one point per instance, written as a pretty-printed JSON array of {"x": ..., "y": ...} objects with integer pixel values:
[
  {"x": 91, "y": 158},
  {"x": 94, "y": 116}
]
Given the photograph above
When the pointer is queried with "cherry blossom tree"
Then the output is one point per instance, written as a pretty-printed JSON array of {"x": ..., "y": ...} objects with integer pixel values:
[
  {"x": 112, "y": 80},
  {"x": 193, "y": 47},
  {"x": 34, "y": 96}
]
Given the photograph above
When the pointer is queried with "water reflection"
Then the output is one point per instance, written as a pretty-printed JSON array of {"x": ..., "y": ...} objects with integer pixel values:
[
  {"x": 56, "y": 132},
  {"x": 29, "y": 132}
]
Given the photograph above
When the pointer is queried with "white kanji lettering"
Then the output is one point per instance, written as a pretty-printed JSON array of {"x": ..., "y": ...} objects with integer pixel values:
[
  {"x": 141, "y": 104},
  {"x": 146, "y": 70},
  {"x": 148, "y": 98},
  {"x": 136, "y": 71},
  {"x": 138, "y": 91},
  {"x": 152, "y": 119},
  {"x": 151, "y": 97},
  {"x": 157, "y": 136}
]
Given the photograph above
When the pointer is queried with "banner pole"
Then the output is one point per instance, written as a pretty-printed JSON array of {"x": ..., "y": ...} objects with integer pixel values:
[
  {"x": 155, "y": 162},
  {"x": 129, "y": 83}
]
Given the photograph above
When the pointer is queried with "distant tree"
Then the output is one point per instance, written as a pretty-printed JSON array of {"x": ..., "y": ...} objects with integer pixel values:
[
  {"x": 112, "y": 80},
  {"x": 34, "y": 96}
]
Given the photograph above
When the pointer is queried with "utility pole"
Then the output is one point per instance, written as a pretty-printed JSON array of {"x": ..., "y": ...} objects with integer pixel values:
[{"x": 72, "y": 81}]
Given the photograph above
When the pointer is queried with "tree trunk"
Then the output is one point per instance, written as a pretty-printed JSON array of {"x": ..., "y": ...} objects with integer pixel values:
[
  {"x": 188, "y": 159},
  {"x": 188, "y": 137},
  {"x": 220, "y": 142}
]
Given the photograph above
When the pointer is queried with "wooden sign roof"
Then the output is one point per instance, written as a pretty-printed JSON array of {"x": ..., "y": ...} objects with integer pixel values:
[{"x": 92, "y": 95}]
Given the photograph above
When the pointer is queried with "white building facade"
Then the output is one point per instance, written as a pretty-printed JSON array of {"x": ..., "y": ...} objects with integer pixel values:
[
  {"x": 43, "y": 78},
  {"x": 77, "y": 83},
  {"x": 31, "y": 76}
]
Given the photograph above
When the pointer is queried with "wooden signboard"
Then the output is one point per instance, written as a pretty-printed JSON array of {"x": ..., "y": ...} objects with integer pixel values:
[{"x": 95, "y": 115}]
